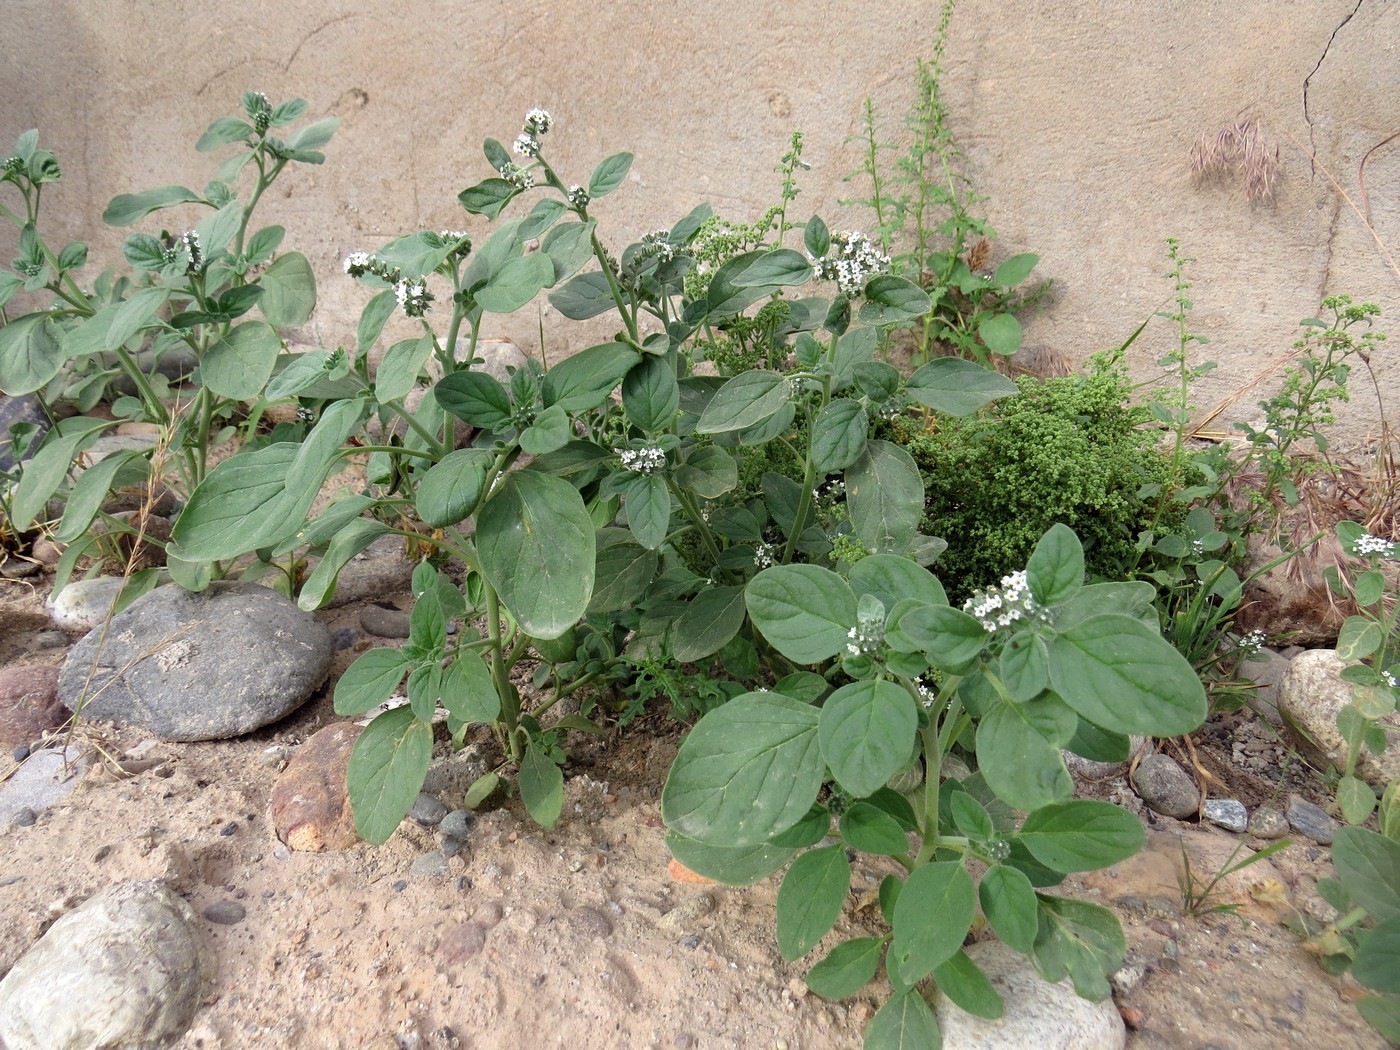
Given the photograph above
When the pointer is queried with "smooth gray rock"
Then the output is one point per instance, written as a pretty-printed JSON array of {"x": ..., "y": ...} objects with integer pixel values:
[
  {"x": 426, "y": 810},
  {"x": 431, "y": 865},
  {"x": 1166, "y": 787},
  {"x": 1309, "y": 696},
  {"x": 45, "y": 779},
  {"x": 1228, "y": 813},
  {"x": 84, "y": 604},
  {"x": 379, "y": 569},
  {"x": 385, "y": 622},
  {"x": 206, "y": 666},
  {"x": 1310, "y": 821},
  {"x": 126, "y": 971},
  {"x": 16, "y": 410},
  {"x": 1038, "y": 1014},
  {"x": 1268, "y": 823}
]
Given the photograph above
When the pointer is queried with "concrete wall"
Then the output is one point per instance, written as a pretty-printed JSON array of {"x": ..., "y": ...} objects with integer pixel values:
[{"x": 1076, "y": 117}]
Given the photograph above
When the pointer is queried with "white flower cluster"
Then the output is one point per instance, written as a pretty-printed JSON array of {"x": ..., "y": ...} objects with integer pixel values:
[
  {"x": 1252, "y": 642},
  {"x": 1389, "y": 679},
  {"x": 765, "y": 555},
  {"x": 516, "y": 176},
  {"x": 642, "y": 460},
  {"x": 1368, "y": 546},
  {"x": 866, "y": 637},
  {"x": 1008, "y": 603},
  {"x": 359, "y": 263},
  {"x": 852, "y": 261},
  {"x": 413, "y": 296},
  {"x": 927, "y": 695},
  {"x": 578, "y": 196},
  {"x": 190, "y": 239},
  {"x": 538, "y": 122},
  {"x": 527, "y": 143},
  {"x": 527, "y": 146},
  {"x": 656, "y": 243}
]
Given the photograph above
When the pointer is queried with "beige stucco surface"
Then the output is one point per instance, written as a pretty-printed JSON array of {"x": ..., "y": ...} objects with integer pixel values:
[{"x": 1076, "y": 119}]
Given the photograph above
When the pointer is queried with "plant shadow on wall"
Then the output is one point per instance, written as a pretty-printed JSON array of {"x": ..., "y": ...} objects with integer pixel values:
[{"x": 734, "y": 502}]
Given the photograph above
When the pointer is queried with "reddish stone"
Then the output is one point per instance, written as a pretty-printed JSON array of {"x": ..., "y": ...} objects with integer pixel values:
[
  {"x": 310, "y": 803},
  {"x": 29, "y": 705}
]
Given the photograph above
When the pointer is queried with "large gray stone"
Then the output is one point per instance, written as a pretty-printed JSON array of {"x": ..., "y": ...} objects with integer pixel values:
[
  {"x": 1038, "y": 1014},
  {"x": 126, "y": 971},
  {"x": 1166, "y": 787},
  {"x": 206, "y": 666},
  {"x": 1309, "y": 696}
]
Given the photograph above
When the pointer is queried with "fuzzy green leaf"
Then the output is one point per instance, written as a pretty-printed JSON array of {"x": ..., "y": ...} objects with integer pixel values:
[
  {"x": 932, "y": 916},
  {"x": 370, "y": 680},
  {"x": 810, "y": 899},
  {"x": 387, "y": 768},
  {"x": 867, "y": 734},
  {"x": 804, "y": 610}
]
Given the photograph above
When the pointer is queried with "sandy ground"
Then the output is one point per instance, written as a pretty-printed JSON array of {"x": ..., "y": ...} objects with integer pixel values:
[{"x": 576, "y": 937}]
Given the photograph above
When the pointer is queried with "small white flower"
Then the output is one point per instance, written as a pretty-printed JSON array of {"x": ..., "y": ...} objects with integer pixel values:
[
  {"x": 578, "y": 196},
  {"x": 1006, "y": 604},
  {"x": 357, "y": 263},
  {"x": 538, "y": 122},
  {"x": 852, "y": 261},
  {"x": 413, "y": 296},
  {"x": 527, "y": 146},
  {"x": 765, "y": 555},
  {"x": 1389, "y": 679},
  {"x": 1368, "y": 546},
  {"x": 642, "y": 460}
]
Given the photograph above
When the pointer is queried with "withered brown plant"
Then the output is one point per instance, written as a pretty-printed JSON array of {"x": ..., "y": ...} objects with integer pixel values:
[{"x": 1238, "y": 151}]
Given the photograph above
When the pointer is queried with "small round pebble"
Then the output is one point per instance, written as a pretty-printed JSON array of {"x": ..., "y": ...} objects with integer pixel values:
[
  {"x": 457, "y": 824},
  {"x": 231, "y": 828},
  {"x": 427, "y": 811},
  {"x": 400, "y": 885},
  {"x": 452, "y": 846},
  {"x": 430, "y": 865},
  {"x": 1268, "y": 823},
  {"x": 24, "y": 818},
  {"x": 225, "y": 913},
  {"x": 1229, "y": 813},
  {"x": 344, "y": 637},
  {"x": 385, "y": 622},
  {"x": 21, "y": 753}
]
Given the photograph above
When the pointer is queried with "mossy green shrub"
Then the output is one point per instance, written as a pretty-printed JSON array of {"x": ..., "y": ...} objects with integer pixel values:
[{"x": 1071, "y": 449}]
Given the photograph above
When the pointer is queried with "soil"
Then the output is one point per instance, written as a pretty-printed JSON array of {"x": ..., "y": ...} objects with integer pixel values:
[{"x": 579, "y": 936}]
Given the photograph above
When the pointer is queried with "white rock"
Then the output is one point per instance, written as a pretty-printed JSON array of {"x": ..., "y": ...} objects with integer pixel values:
[
  {"x": 84, "y": 604},
  {"x": 1310, "y": 695},
  {"x": 1038, "y": 1014},
  {"x": 125, "y": 971}
]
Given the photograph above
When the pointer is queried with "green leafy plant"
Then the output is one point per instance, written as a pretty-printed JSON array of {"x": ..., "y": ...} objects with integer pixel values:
[
  {"x": 217, "y": 293},
  {"x": 1198, "y": 892},
  {"x": 888, "y": 681}
]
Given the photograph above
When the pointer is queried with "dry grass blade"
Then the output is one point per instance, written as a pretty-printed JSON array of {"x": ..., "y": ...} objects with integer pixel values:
[{"x": 1238, "y": 150}]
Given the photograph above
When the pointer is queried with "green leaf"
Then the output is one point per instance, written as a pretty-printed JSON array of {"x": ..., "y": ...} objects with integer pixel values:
[
  {"x": 45, "y": 471},
  {"x": 542, "y": 216},
  {"x": 805, "y": 611},
  {"x": 893, "y": 579},
  {"x": 708, "y": 471},
  {"x": 370, "y": 680},
  {"x": 387, "y": 768},
  {"x": 1377, "y": 962},
  {"x": 516, "y": 283},
  {"x": 349, "y": 541},
  {"x": 1121, "y": 675},
  {"x": 1024, "y": 665},
  {"x": 885, "y": 497},
  {"x": 548, "y": 433},
  {"x": 1010, "y": 905},
  {"x": 1368, "y": 588},
  {"x": 732, "y": 865},
  {"x": 468, "y": 692},
  {"x": 624, "y": 570},
  {"x": 1020, "y": 763},
  {"x": 1001, "y": 333},
  {"x": 1015, "y": 270},
  {"x": 313, "y": 137},
  {"x": 1369, "y": 867},
  {"x": 747, "y": 399},
  {"x": 1356, "y": 798},
  {"x": 957, "y": 387},
  {"x": 608, "y": 175},
  {"x": 867, "y": 734},
  {"x": 399, "y": 370},
  {"x": 962, "y": 981},
  {"x": 535, "y": 541},
  {"x": 872, "y": 830},
  {"x": 808, "y": 831},
  {"x": 488, "y": 197},
  {"x": 1078, "y": 940},
  {"x": 848, "y": 968},
  {"x": 1381, "y": 1014},
  {"x": 289, "y": 291},
  {"x": 650, "y": 395},
  {"x": 373, "y": 317},
  {"x": 904, "y": 1023},
  {"x": 541, "y": 787},
  {"x": 931, "y": 918},
  {"x": 135, "y": 314},
  {"x": 584, "y": 381},
  {"x": 891, "y": 300},
  {"x": 810, "y": 899},
  {"x": 451, "y": 488},
  {"x": 475, "y": 398},
  {"x": 774, "y": 269},
  {"x": 1055, "y": 571},
  {"x": 239, "y": 365},
  {"x": 1359, "y": 637},
  {"x": 582, "y": 297},
  {"x": 710, "y": 620},
  {"x": 1082, "y": 835},
  {"x": 953, "y": 639},
  {"x": 647, "y": 502},
  {"x": 728, "y": 294},
  {"x": 816, "y": 237},
  {"x": 224, "y": 132},
  {"x": 128, "y": 208},
  {"x": 748, "y": 770},
  {"x": 92, "y": 489},
  {"x": 31, "y": 353},
  {"x": 838, "y": 435},
  {"x": 263, "y": 243},
  {"x": 1130, "y": 598},
  {"x": 569, "y": 247}
]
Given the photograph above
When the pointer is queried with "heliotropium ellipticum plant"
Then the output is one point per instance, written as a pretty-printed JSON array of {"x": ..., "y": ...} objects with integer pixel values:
[{"x": 801, "y": 773}]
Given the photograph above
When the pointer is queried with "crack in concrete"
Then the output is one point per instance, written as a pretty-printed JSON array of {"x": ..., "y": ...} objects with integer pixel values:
[{"x": 1307, "y": 81}]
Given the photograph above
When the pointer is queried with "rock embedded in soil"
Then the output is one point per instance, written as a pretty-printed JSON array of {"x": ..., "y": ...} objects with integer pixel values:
[
  {"x": 310, "y": 804},
  {"x": 1038, "y": 1014},
  {"x": 225, "y": 913},
  {"x": 385, "y": 621},
  {"x": 84, "y": 604},
  {"x": 1310, "y": 821},
  {"x": 379, "y": 569},
  {"x": 189, "y": 666},
  {"x": 1310, "y": 695},
  {"x": 1268, "y": 823},
  {"x": 125, "y": 971},
  {"x": 1166, "y": 787},
  {"x": 426, "y": 811},
  {"x": 46, "y": 778},
  {"x": 29, "y": 705},
  {"x": 1227, "y": 813}
]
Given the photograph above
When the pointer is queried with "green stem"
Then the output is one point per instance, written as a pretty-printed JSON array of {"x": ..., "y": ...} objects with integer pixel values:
[{"x": 500, "y": 675}]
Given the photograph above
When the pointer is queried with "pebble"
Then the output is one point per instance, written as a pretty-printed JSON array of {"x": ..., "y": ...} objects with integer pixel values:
[
  {"x": 84, "y": 604},
  {"x": 687, "y": 911},
  {"x": 128, "y": 968},
  {"x": 226, "y": 913},
  {"x": 310, "y": 805},
  {"x": 20, "y": 753},
  {"x": 1228, "y": 813},
  {"x": 18, "y": 568},
  {"x": 590, "y": 922},
  {"x": 430, "y": 865},
  {"x": 426, "y": 811},
  {"x": 344, "y": 638},
  {"x": 1166, "y": 787},
  {"x": 1268, "y": 823},
  {"x": 451, "y": 847},
  {"x": 457, "y": 824},
  {"x": 1310, "y": 821},
  {"x": 189, "y": 666},
  {"x": 1311, "y": 694},
  {"x": 24, "y": 818},
  {"x": 385, "y": 621}
]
